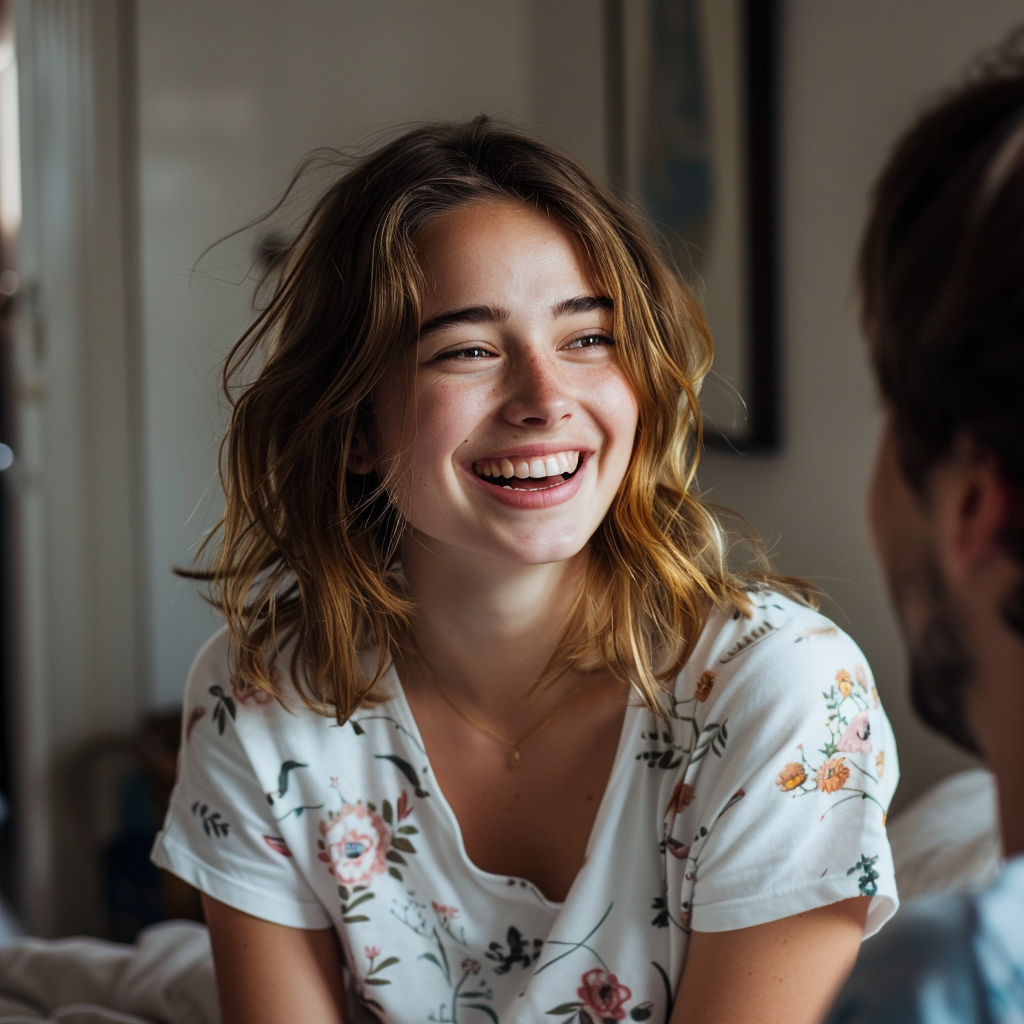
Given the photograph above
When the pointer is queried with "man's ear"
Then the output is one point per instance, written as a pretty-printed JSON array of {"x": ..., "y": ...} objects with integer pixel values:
[
  {"x": 360, "y": 461},
  {"x": 975, "y": 503}
]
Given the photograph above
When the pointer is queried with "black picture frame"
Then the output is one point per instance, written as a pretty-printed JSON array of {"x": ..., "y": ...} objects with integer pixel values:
[{"x": 758, "y": 27}]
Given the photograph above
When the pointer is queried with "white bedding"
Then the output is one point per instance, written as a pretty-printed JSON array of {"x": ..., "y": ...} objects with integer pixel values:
[
  {"x": 166, "y": 977},
  {"x": 948, "y": 839}
]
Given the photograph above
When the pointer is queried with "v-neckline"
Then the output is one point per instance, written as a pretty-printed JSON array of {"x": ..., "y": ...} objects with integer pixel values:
[{"x": 404, "y": 711}]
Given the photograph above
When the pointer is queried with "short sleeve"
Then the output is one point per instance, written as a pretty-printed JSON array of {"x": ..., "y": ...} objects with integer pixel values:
[
  {"x": 220, "y": 835},
  {"x": 798, "y": 765}
]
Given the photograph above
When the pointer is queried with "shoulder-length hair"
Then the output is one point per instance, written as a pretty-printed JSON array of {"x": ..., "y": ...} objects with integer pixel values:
[{"x": 305, "y": 553}]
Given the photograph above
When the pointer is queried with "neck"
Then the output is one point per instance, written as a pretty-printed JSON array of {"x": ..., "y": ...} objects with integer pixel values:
[
  {"x": 488, "y": 628},
  {"x": 998, "y": 721}
]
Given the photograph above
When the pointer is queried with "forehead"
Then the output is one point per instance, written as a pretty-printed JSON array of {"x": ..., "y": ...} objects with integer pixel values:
[{"x": 498, "y": 251}]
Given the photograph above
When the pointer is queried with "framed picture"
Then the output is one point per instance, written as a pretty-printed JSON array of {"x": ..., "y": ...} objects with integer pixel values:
[{"x": 691, "y": 139}]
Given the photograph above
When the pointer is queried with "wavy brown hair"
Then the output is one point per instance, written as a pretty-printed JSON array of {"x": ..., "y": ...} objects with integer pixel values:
[{"x": 305, "y": 553}]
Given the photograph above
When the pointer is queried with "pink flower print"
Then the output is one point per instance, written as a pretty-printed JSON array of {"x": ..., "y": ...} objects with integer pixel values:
[
  {"x": 861, "y": 675},
  {"x": 856, "y": 737},
  {"x": 372, "y": 952},
  {"x": 443, "y": 910},
  {"x": 602, "y": 993},
  {"x": 356, "y": 841},
  {"x": 245, "y": 694}
]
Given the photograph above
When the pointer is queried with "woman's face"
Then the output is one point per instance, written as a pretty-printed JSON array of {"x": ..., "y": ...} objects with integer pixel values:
[{"x": 510, "y": 430}]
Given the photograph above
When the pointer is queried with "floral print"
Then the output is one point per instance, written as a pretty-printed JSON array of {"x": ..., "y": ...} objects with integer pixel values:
[
  {"x": 348, "y": 824},
  {"x": 792, "y": 776},
  {"x": 681, "y": 798},
  {"x": 832, "y": 775},
  {"x": 602, "y": 993},
  {"x": 848, "y": 724},
  {"x": 356, "y": 841},
  {"x": 868, "y": 881},
  {"x": 856, "y": 737},
  {"x": 704, "y": 686},
  {"x": 603, "y": 999}
]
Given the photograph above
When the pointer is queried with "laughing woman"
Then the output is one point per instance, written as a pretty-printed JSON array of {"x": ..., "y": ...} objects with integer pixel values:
[{"x": 492, "y": 733}]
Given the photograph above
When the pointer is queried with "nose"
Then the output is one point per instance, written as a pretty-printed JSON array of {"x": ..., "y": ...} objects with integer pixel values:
[{"x": 537, "y": 396}]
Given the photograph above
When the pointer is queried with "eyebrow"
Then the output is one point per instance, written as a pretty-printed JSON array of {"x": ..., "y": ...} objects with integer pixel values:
[{"x": 497, "y": 315}]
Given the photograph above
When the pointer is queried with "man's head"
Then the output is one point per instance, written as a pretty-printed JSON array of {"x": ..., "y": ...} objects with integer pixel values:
[{"x": 942, "y": 285}]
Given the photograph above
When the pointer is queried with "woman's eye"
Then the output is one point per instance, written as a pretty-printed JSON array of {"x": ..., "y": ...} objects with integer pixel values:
[
  {"x": 469, "y": 352},
  {"x": 590, "y": 341}
]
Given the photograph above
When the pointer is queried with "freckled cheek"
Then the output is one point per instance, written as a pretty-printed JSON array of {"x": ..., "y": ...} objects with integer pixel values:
[
  {"x": 616, "y": 411},
  {"x": 445, "y": 419}
]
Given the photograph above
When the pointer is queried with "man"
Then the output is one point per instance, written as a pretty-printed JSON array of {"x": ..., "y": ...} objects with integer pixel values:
[{"x": 942, "y": 283}]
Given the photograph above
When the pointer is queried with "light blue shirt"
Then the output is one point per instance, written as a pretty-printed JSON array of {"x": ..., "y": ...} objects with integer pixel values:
[{"x": 945, "y": 960}]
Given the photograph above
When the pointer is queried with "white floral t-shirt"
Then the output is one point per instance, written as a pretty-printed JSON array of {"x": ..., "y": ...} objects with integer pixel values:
[{"x": 762, "y": 793}]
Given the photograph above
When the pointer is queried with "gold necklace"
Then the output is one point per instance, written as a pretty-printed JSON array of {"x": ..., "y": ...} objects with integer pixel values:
[{"x": 514, "y": 758}]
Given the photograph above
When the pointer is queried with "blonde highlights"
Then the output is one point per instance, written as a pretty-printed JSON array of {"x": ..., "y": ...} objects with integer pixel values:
[{"x": 305, "y": 553}]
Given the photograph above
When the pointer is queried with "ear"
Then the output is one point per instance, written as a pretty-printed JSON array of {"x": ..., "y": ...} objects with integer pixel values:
[
  {"x": 975, "y": 505},
  {"x": 360, "y": 461}
]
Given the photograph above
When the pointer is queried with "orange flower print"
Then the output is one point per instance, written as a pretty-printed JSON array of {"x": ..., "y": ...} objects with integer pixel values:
[
  {"x": 832, "y": 775},
  {"x": 844, "y": 682},
  {"x": 704, "y": 686},
  {"x": 861, "y": 675},
  {"x": 680, "y": 799},
  {"x": 791, "y": 776},
  {"x": 880, "y": 763},
  {"x": 602, "y": 993}
]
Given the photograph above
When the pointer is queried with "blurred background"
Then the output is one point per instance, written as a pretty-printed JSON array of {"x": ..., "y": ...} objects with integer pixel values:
[{"x": 134, "y": 133}]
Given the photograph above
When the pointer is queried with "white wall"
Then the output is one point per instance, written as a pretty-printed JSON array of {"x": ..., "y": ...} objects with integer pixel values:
[
  {"x": 854, "y": 75},
  {"x": 231, "y": 96}
]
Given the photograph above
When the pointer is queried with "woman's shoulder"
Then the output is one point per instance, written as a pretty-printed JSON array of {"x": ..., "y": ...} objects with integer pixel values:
[
  {"x": 214, "y": 679},
  {"x": 783, "y": 651}
]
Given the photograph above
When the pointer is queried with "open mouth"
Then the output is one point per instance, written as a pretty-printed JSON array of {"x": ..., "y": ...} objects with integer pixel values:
[{"x": 534, "y": 474}]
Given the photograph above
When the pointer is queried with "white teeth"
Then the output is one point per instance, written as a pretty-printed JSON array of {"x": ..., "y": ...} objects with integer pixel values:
[{"x": 539, "y": 468}]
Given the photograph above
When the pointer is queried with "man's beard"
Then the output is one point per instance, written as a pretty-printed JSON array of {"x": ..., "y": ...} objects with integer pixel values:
[{"x": 941, "y": 669}]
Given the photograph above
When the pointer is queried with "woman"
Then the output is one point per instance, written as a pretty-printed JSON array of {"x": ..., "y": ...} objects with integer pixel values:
[{"x": 493, "y": 732}]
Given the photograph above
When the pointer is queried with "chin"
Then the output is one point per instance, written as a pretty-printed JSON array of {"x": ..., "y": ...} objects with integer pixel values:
[{"x": 540, "y": 552}]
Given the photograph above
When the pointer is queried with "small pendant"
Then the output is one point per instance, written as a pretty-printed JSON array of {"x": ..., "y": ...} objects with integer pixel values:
[{"x": 514, "y": 760}]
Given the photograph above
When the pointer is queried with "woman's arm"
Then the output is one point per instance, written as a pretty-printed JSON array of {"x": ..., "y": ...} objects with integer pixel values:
[
  {"x": 268, "y": 973},
  {"x": 783, "y": 972}
]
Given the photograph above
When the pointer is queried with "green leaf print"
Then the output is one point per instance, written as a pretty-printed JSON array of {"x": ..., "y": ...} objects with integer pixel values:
[
  {"x": 407, "y": 770},
  {"x": 225, "y": 706},
  {"x": 282, "y": 779}
]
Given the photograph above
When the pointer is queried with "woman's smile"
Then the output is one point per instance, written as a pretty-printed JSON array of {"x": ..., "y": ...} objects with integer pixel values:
[{"x": 512, "y": 434}]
